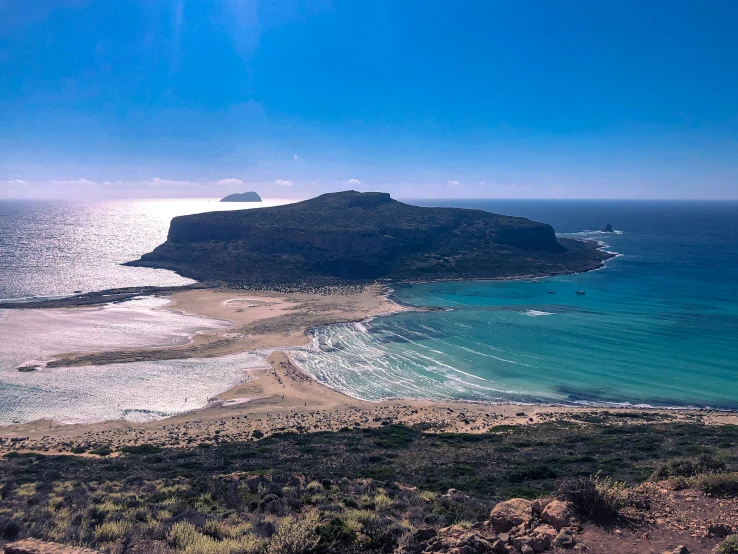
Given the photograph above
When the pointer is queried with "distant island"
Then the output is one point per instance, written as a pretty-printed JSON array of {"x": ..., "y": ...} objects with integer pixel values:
[
  {"x": 352, "y": 236},
  {"x": 607, "y": 229},
  {"x": 250, "y": 196}
]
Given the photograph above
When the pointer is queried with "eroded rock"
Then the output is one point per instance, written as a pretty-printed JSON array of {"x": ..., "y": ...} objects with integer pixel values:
[
  {"x": 511, "y": 513},
  {"x": 557, "y": 514}
]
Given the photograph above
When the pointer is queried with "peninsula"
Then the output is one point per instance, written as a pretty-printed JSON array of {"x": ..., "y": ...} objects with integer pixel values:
[
  {"x": 250, "y": 196},
  {"x": 350, "y": 236}
]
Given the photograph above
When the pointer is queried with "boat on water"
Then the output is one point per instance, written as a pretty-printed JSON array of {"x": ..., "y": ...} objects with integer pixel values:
[
  {"x": 552, "y": 292},
  {"x": 579, "y": 291}
]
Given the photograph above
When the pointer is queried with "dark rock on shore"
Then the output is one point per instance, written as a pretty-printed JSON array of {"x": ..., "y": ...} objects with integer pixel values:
[
  {"x": 250, "y": 196},
  {"x": 607, "y": 229},
  {"x": 351, "y": 236}
]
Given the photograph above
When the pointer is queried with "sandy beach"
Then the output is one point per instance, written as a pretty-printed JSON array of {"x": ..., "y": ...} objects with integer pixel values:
[{"x": 283, "y": 398}]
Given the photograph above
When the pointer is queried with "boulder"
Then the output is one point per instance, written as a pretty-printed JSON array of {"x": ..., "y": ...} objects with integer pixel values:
[
  {"x": 539, "y": 540},
  {"x": 540, "y": 504},
  {"x": 681, "y": 549},
  {"x": 557, "y": 514},
  {"x": 525, "y": 549},
  {"x": 424, "y": 534},
  {"x": 510, "y": 513},
  {"x": 499, "y": 547},
  {"x": 565, "y": 539},
  {"x": 720, "y": 530}
]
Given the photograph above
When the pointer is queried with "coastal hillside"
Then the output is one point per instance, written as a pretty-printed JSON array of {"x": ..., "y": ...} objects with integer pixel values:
[{"x": 352, "y": 236}]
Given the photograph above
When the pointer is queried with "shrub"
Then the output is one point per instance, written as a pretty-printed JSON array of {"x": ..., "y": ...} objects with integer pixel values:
[
  {"x": 719, "y": 484},
  {"x": 335, "y": 536},
  {"x": 10, "y": 529},
  {"x": 597, "y": 499},
  {"x": 111, "y": 531},
  {"x": 382, "y": 502},
  {"x": 728, "y": 546},
  {"x": 688, "y": 467},
  {"x": 182, "y": 534},
  {"x": 295, "y": 535}
]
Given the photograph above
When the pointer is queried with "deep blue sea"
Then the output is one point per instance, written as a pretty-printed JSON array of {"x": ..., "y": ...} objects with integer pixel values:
[{"x": 658, "y": 325}]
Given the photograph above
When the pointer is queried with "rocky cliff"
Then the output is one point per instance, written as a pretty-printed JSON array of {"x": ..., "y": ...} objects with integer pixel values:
[{"x": 358, "y": 236}]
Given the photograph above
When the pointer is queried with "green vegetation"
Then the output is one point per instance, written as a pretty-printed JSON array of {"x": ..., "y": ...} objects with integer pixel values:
[
  {"x": 353, "y": 491},
  {"x": 728, "y": 546},
  {"x": 351, "y": 236},
  {"x": 595, "y": 498}
]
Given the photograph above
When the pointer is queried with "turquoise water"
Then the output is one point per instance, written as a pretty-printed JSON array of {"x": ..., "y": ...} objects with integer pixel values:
[{"x": 657, "y": 326}]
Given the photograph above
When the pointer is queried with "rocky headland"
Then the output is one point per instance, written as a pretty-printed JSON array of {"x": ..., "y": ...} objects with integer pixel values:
[{"x": 353, "y": 237}]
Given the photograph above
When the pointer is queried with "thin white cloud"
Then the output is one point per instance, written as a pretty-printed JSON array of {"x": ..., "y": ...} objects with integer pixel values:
[
  {"x": 229, "y": 181},
  {"x": 481, "y": 183},
  {"x": 16, "y": 182},
  {"x": 453, "y": 183},
  {"x": 72, "y": 182},
  {"x": 156, "y": 181},
  {"x": 283, "y": 183},
  {"x": 354, "y": 182},
  {"x": 295, "y": 156}
]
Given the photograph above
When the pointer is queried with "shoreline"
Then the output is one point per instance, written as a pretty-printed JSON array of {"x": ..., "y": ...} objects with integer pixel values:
[
  {"x": 284, "y": 399},
  {"x": 263, "y": 319}
]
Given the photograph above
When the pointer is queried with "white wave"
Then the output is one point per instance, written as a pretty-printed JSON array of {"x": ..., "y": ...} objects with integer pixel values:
[
  {"x": 536, "y": 313},
  {"x": 591, "y": 233}
]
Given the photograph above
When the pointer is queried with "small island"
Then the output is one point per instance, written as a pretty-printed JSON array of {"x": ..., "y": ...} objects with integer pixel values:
[
  {"x": 607, "y": 229},
  {"x": 250, "y": 196}
]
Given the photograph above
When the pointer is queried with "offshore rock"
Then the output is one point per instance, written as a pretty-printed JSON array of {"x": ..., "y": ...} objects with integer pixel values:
[{"x": 250, "y": 196}]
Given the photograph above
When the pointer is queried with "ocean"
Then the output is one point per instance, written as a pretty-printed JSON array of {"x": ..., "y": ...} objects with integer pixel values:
[
  {"x": 657, "y": 326},
  {"x": 54, "y": 248}
]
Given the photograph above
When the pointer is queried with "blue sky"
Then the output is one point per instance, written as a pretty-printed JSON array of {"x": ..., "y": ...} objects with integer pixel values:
[{"x": 458, "y": 99}]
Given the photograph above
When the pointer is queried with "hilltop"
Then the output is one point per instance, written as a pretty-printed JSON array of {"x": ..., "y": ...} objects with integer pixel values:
[{"x": 352, "y": 236}]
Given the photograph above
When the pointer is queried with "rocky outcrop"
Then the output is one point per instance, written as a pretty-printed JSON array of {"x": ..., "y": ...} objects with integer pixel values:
[
  {"x": 558, "y": 514},
  {"x": 514, "y": 527},
  {"x": 511, "y": 513},
  {"x": 250, "y": 196},
  {"x": 363, "y": 236},
  {"x": 33, "y": 546},
  {"x": 607, "y": 229}
]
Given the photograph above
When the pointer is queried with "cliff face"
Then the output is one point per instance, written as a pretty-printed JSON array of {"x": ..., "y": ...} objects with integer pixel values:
[{"x": 353, "y": 235}]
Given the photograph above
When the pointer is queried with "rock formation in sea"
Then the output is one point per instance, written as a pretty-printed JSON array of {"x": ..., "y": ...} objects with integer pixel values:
[
  {"x": 250, "y": 196},
  {"x": 352, "y": 236},
  {"x": 607, "y": 228}
]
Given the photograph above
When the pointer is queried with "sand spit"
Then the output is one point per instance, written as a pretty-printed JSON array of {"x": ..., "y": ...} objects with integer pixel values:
[{"x": 261, "y": 319}]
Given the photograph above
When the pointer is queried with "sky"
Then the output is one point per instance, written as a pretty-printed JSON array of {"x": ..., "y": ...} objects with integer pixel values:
[{"x": 447, "y": 99}]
